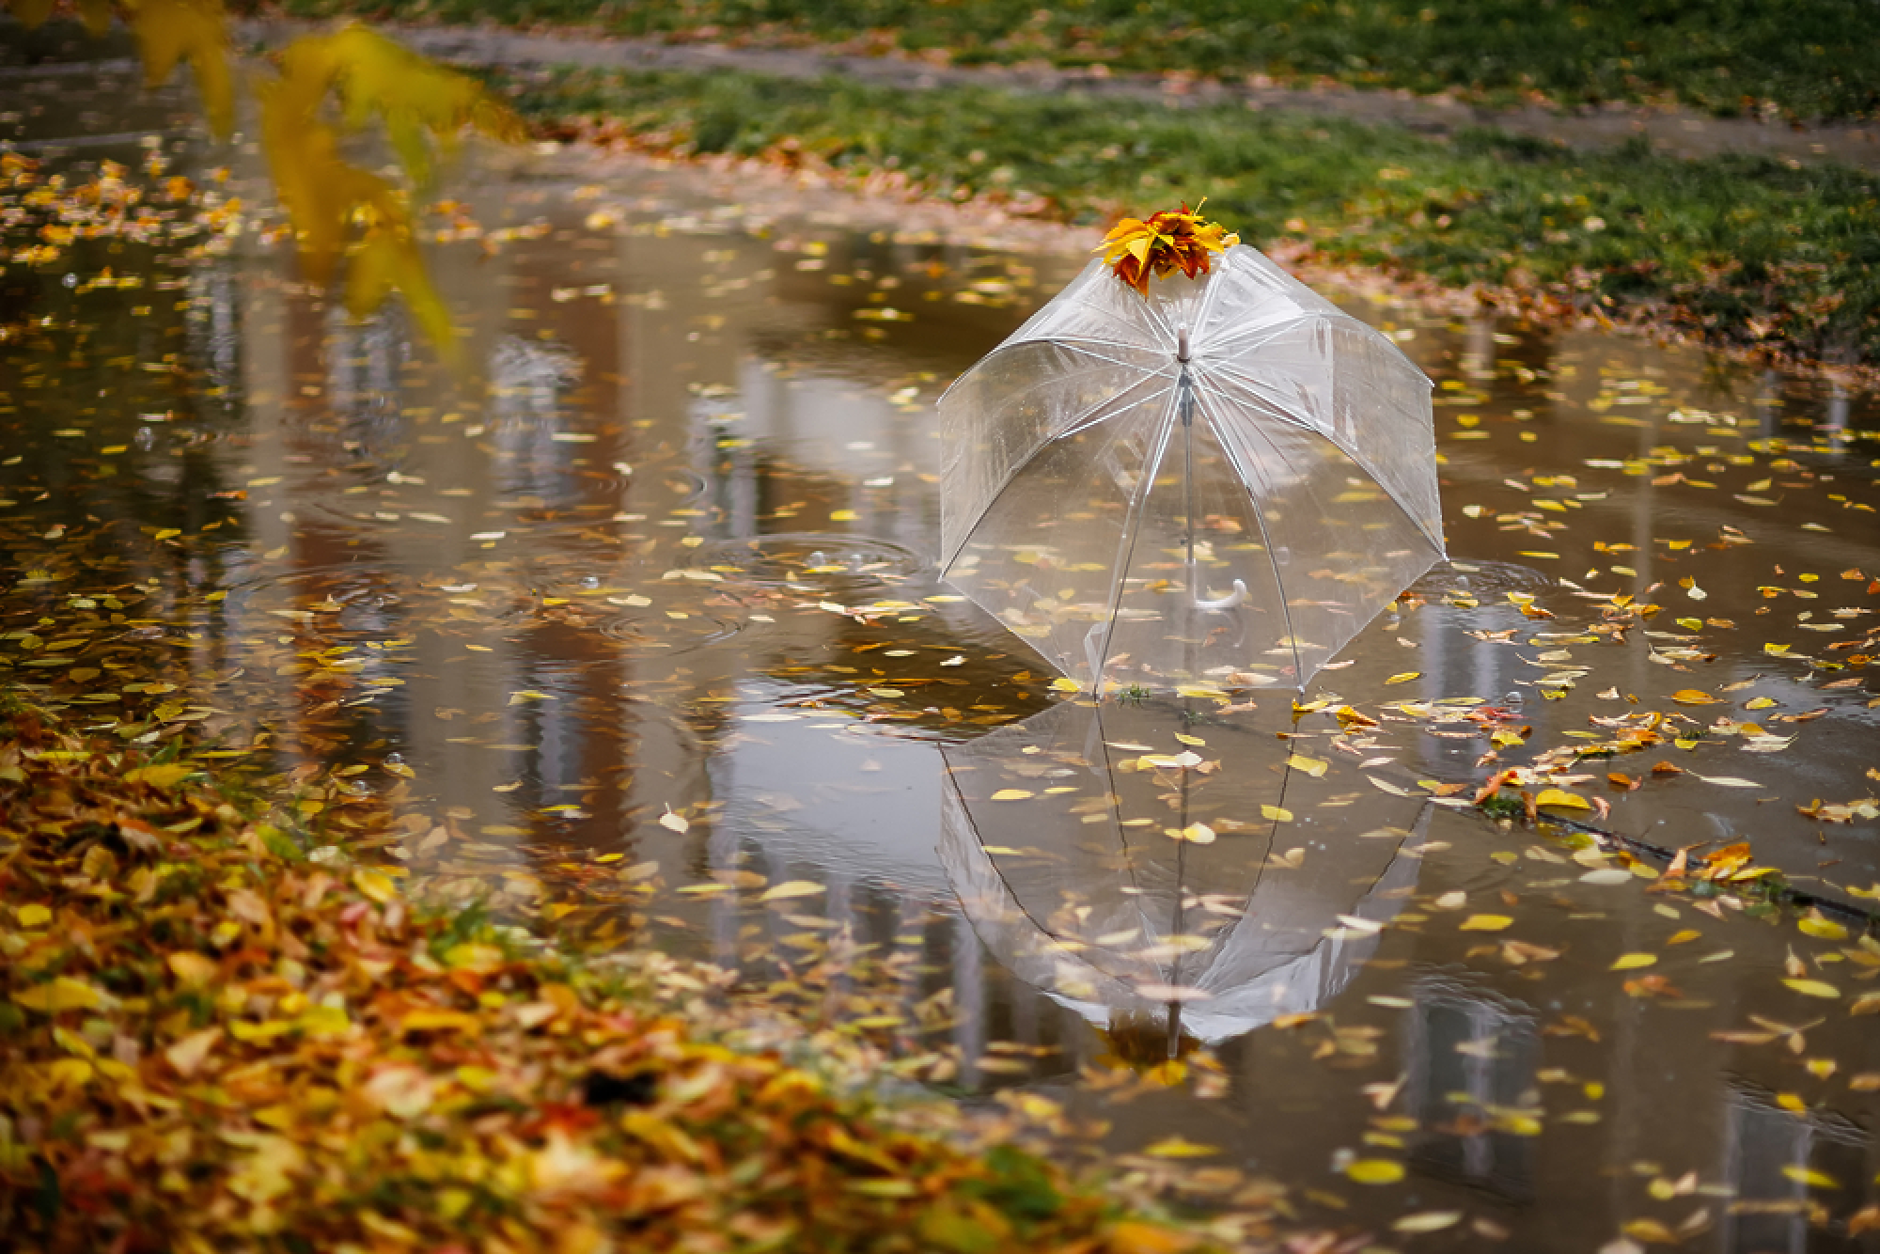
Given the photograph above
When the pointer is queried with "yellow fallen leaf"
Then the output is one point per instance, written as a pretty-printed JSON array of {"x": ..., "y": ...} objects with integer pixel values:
[
  {"x": 1276, "y": 814},
  {"x": 1314, "y": 767},
  {"x": 790, "y": 889},
  {"x": 1485, "y": 923},
  {"x": 1684, "y": 937},
  {"x": 1427, "y": 1221},
  {"x": 1629, "y": 962},
  {"x": 1404, "y": 677},
  {"x": 189, "y": 1053},
  {"x": 1011, "y": 794},
  {"x": 1561, "y": 797},
  {"x": 34, "y": 915},
  {"x": 160, "y": 775},
  {"x": 1822, "y": 929},
  {"x": 1866, "y": 1004},
  {"x": 1375, "y": 1171},
  {"x": 673, "y": 822},
  {"x": 193, "y": 969},
  {"x": 1194, "y": 834},
  {"x": 1813, "y": 988},
  {"x": 1134, "y": 1237},
  {"x": 1179, "y": 1147},
  {"x": 1691, "y": 696},
  {"x": 1811, "y": 1178},
  {"x": 1063, "y": 683},
  {"x": 375, "y": 884},
  {"x": 63, "y": 993}
]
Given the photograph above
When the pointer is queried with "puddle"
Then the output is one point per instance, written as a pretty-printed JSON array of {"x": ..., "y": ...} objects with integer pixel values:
[{"x": 647, "y": 594}]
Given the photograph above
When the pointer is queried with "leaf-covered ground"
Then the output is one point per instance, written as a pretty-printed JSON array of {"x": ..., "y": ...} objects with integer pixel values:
[
  {"x": 1739, "y": 250},
  {"x": 208, "y": 1042},
  {"x": 1810, "y": 59}
]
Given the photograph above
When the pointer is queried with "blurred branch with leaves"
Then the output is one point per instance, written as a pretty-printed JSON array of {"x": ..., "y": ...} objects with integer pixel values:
[{"x": 321, "y": 87}]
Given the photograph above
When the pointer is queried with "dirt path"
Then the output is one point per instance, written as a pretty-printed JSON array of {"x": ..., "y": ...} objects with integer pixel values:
[{"x": 1676, "y": 132}]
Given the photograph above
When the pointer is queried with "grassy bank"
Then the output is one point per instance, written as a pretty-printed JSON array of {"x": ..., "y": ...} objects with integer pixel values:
[
  {"x": 1739, "y": 250},
  {"x": 210, "y": 1042},
  {"x": 1812, "y": 58}
]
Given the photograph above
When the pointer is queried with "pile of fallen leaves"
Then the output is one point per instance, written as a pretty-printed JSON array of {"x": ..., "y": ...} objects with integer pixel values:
[{"x": 209, "y": 1042}]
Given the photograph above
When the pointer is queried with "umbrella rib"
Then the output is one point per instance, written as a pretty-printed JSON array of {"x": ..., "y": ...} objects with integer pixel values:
[
  {"x": 1126, "y": 550},
  {"x": 1266, "y": 540}
]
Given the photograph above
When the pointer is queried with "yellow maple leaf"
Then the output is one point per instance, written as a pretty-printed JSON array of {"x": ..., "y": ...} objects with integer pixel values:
[{"x": 169, "y": 31}]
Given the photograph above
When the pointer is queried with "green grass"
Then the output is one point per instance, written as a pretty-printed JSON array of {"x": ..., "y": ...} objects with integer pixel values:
[
  {"x": 1742, "y": 249},
  {"x": 1811, "y": 58}
]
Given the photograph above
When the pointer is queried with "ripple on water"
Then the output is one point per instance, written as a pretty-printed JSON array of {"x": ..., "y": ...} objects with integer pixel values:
[
  {"x": 808, "y": 559},
  {"x": 1480, "y": 577},
  {"x": 656, "y": 631}
]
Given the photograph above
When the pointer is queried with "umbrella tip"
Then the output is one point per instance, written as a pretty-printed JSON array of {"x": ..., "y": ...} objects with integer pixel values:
[{"x": 1181, "y": 344}]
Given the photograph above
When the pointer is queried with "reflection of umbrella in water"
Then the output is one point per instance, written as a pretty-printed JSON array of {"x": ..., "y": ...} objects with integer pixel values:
[
  {"x": 1225, "y": 479},
  {"x": 1133, "y": 879}
]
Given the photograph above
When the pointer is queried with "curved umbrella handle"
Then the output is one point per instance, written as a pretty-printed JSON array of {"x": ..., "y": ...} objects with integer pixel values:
[{"x": 1237, "y": 597}]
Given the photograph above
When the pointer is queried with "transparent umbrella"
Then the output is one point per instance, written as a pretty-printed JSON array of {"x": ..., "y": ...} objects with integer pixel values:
[
  {"x": 1196, "y": 882},
  {"x": 1223, "y": 480}
]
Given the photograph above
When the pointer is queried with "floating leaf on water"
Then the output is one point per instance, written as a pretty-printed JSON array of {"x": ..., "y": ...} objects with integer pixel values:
[
  {"x": 1375, "y": 1171},
  {"x": 1314, "y": 767},
  {"x": 1814, "y": 988},
  {"x": 1726, "y": 781},
  {"x": 1629, "y": 962},
  {"x": 1808, "y": 1176},
  {"x": 791, "y": 888},
  {"x": 1485, "y": 923},
  {"x": 1561, "y": 797},
  {"x": 1691, "y": 696},
  {"x": 1012, "y": 794},
  {"x": 1427, "y": 1221},
  {"x": 673, "y": 822},
  {"x": 1821, "y": 928},
  {"x": 1179, "y": 1147}
]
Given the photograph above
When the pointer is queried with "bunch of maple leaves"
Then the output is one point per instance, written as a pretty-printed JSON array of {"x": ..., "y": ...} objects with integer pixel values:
[
  {"x": 336, "y": 208},
  {"x": 208, "y": 1042},
  {"x": 1174, "y": 239}
]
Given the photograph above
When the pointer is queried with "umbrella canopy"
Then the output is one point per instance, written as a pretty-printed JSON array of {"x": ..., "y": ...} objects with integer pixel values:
[
  {"x": 1223, "y": 480},
  {"x": 1058, "y": 834}
]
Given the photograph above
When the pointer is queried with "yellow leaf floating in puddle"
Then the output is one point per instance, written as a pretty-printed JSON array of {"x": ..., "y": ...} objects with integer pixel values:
[
  {"x": 1822, "y": 929},
  {"x": 1314, "y": 767},
  {"x": 1631, "y": 962},
  {"x": 1485, "y": 923},
  {"x": 1194, "y": 834},
  {"x": 1375, "y": 1171},
  {"x": 673, "y": 822},
  {"x": 1276, "y": 814},
  {"x": 1427, "y": 1221},
  {"x": 1726, "y": 781},
  {"x": 1404, "y": 677},
  {"x": 1011, "y": 794},
  {"x": 1814, "y": 988},
  {"x": 1561, "y": 797},
  {"x": 790, "y": 889},
  {"x": 1809, "y": 1177},
  {"x": 1179, "y": 1147},
  {"x": 1691, "y": 696}
]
